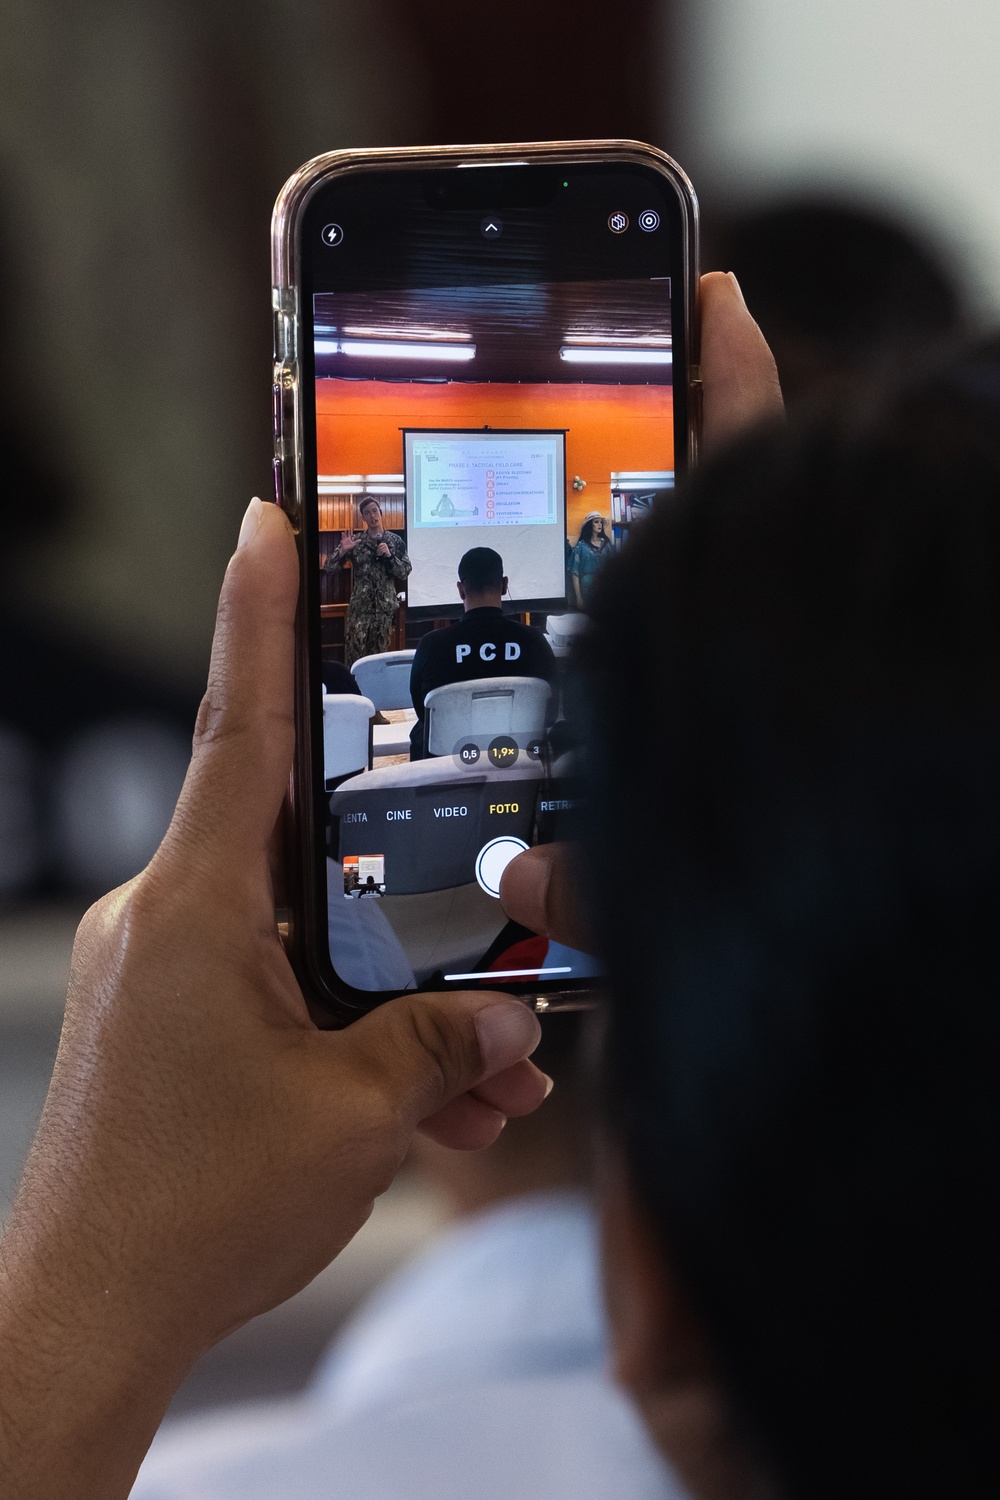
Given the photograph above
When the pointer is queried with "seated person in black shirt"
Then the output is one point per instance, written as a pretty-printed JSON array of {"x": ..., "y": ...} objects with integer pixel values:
[
  {"x": 484, "y": 643},
  {"x": 337, "y": 678}
]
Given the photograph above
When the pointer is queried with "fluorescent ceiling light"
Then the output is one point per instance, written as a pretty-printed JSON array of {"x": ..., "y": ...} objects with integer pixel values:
[
  {"x": 356, "y": 484},
  {"x": 621, "y": 341},
  {"x": 581, "y": 355},
  {"x": 394, "y": 349},
  {"x": 649, "y": 484},
  {"x": 398, "y": 349},
  {"x": 398, "y": 331}
]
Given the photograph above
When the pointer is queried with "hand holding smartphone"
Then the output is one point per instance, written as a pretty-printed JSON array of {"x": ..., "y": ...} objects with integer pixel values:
[{"x": 485, "y": 377}]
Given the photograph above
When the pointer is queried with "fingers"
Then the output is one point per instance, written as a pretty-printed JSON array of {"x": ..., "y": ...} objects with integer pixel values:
[
  {"x": 424, "y": 1052},
  {"x": 474, "y": 1120},
  {"x": 540, "y": 890},
  {"x": 739, "y": 377},
  {"x": 465, "y": 1124},
  {"x": 244, "y": 735},
  {"x": 516, "y": 1091}
]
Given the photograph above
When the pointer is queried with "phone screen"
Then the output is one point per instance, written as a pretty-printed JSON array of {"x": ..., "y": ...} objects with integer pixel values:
[{"x": 490, "y": 354}]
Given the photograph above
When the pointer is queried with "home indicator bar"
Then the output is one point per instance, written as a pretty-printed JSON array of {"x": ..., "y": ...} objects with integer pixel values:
[{"x": 511, "y": 973}]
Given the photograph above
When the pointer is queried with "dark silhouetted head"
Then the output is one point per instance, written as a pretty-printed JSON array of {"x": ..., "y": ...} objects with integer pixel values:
[
  {"x": 802, "y": 1060},
  {"x": 845, "y": 295},
  {"x": 481, "y": 569}
]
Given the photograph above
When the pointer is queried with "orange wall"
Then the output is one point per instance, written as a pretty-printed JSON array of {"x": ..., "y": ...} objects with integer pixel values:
[{"x": 609, "y": 427}]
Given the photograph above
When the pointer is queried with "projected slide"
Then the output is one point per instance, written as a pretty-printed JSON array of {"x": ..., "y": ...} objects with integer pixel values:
[
  {"x": 505, "y": 490},
  {"x": 482, "y": 479}
]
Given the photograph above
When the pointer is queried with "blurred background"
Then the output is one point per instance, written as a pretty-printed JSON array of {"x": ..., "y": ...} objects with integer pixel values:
[{"x": 844, "y": 155}]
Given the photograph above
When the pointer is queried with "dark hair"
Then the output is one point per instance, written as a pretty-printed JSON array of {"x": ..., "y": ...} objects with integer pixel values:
[
  {"x": 481, "y": 568},
  {"x": 802, "y": 1055},
  {"x": 587, "y": 531},
  {"x": 841, "y": 290},
  {"x": 364, "y": 504}
]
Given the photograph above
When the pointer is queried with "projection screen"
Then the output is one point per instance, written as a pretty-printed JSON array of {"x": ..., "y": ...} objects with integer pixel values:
[{"x": 486, "y": 488}]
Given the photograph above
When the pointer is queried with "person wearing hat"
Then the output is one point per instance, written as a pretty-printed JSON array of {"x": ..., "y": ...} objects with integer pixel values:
[{"x": 588, "y": 556}]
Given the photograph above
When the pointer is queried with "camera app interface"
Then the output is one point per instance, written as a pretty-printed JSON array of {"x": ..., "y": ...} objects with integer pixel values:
[{"x": 482, "y": 452}]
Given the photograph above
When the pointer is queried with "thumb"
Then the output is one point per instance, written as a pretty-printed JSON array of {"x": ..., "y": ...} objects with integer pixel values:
[
  {"x": 739, "y": 376},
  {"x": 244, "y": 735},
  {"x": 541, "y": 890},
  {"x": 454, "y": 1064}
]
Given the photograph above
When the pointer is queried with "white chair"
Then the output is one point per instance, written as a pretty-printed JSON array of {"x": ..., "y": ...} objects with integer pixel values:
[
  {"x": 561, "y": 630},
  {"x": 484, "y": 706},
  {"x": 347, "y": 731},
  {"x": 385, "y": 679}
]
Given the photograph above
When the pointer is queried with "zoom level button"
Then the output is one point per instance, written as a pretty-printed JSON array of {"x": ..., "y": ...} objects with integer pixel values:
[{"x": 502, "y": 751}]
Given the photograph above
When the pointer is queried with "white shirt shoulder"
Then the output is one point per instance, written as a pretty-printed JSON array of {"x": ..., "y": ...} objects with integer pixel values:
[{"x": 478, "y": 1371}]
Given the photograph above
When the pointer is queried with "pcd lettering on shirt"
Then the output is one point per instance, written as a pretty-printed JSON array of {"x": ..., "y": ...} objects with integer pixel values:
[{"x": 488, "y": 651}]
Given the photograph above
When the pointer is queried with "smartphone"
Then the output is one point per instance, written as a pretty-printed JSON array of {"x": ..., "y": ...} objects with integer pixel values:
[{"x": 486, "y": 375}]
